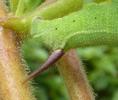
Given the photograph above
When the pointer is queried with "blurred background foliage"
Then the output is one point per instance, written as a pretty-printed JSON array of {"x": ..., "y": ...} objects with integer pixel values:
[{"x": 101, "y": 64}]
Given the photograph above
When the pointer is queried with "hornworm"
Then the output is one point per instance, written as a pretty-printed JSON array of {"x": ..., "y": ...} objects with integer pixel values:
[
  {"x": 22, "y": 25},
  {"x": 94, "y": 25}
]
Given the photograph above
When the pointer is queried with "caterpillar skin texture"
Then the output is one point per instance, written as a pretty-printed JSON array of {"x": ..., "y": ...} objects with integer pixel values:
[
  {"x": 92, "y": 26},
  {"x": 55, "y": 10},
  {"x": 59, "y": 8},
  {"x": 95, "y": 24}
]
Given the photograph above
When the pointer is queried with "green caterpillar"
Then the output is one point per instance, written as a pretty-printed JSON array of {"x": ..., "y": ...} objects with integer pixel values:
[
  {"x": 94, "y": 25},
  {"x": 58, "y": 8}
]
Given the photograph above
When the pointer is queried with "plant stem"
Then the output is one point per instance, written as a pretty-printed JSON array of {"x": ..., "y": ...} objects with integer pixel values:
[
  {"x": 13, "y": 5},
  {"x": 3, "y": 10},
  {"x": 74, "y": 75},
  {"x": 12, "y": 72}
]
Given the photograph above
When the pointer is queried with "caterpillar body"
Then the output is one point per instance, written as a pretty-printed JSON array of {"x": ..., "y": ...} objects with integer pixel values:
[{"x": 92, "y": 26}]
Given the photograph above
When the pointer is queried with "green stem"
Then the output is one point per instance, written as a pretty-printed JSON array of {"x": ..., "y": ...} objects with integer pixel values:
[
  {"x": 20, "y": 8},
  {"x": 13, "y": 5}
]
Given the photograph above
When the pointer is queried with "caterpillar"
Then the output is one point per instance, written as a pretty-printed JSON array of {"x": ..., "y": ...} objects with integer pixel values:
[{"x": 94, "y": 25}]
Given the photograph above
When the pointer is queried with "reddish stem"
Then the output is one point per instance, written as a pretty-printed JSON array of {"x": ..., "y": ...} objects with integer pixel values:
[
  {"x": 12, "y": 71},
  {"x": 75, "y": 78}
]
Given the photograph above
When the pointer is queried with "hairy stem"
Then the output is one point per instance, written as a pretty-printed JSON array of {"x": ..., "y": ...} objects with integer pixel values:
[
  {"x": 12, "y": 71},
  {"x": 74, "y": 75}
]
